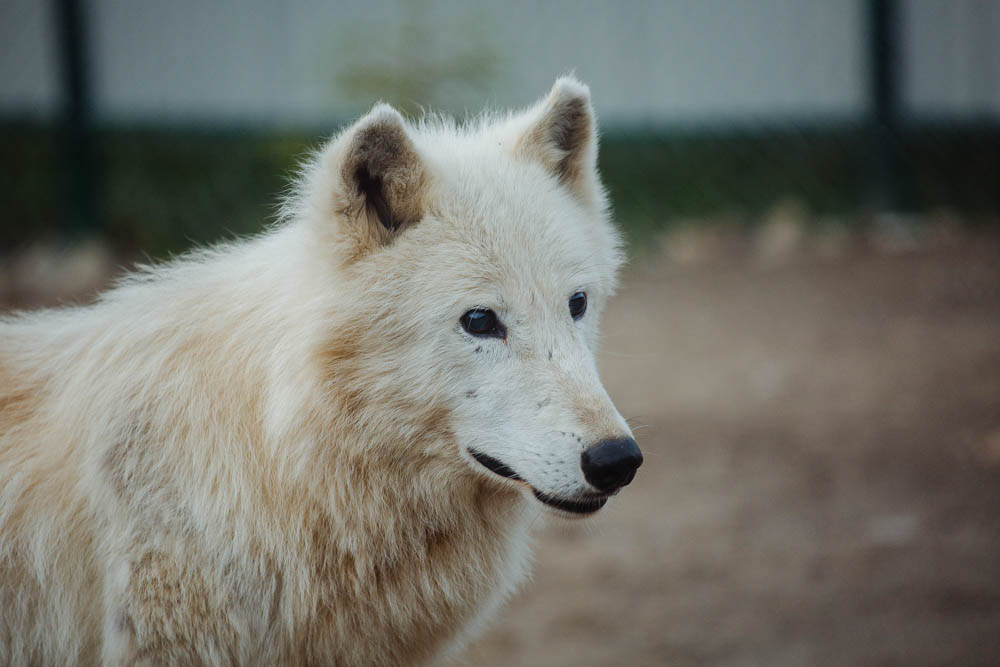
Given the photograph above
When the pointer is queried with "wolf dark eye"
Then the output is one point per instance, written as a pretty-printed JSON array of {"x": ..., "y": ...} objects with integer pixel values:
[
  {"x": 483, "y": 322},
  {"x": 578, "y": 305}
]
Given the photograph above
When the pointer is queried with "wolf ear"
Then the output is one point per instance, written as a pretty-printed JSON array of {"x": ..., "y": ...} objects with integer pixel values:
[
  {"x": 382, "y": 177},
  {"x": 561, "y": 135}
]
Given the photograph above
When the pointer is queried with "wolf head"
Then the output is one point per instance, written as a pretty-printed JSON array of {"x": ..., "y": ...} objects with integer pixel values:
[{"x": 471, "y": 267}]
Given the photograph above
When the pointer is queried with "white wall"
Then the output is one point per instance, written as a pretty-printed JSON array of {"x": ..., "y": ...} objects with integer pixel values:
[
  {"x": 29, "y": 75},
  {"x": 698, "y": 61},
  {"x": 647, "y": 61},
  {"x": 951, "y": 57}
]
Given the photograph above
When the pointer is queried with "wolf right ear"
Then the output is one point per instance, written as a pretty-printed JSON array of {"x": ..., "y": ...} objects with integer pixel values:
[
  {"x": 560, "y": 133},
  {"x": 380, "y": 177}
]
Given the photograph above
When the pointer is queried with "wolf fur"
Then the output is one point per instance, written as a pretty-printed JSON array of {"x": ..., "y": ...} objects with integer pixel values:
[{"x": 259, "y": 453}]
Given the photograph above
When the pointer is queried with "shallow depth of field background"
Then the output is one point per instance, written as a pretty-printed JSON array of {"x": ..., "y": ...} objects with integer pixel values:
[{"x": 808, "y": 333}]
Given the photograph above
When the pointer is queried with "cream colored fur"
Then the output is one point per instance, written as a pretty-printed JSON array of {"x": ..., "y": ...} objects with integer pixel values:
[{"x": 257, "y": 454}]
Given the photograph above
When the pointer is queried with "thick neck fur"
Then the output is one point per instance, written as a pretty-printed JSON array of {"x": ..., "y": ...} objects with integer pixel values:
[{"x": 233, "y": 440}]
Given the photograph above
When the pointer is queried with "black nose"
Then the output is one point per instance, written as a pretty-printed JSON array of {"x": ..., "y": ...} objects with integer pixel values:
[{"x": 611, "y": 464}]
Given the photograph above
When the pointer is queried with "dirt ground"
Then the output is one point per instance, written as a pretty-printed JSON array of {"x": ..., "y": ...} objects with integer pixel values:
[
  {"x": 822, "y": 461},
  {"x": 822, "y": 471}
]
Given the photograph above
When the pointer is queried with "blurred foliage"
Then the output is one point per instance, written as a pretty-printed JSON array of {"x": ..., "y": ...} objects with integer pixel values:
[
  {"x": 736, "y": 175},
  {"x": 417, "y": 58},
  {"x": 162, "y": 191}
]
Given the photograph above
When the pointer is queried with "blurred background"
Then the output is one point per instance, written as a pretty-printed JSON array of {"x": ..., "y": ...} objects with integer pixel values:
[{"x": 809, "y": 333}]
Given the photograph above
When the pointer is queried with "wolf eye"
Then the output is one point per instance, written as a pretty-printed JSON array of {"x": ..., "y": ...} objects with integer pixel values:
[
  {"x": 483, "y": 322},
  {"x": 578, "y": 305}
]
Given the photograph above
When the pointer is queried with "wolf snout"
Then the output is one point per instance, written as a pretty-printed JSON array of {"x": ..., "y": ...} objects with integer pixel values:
[{"x": 611, "y": 464}]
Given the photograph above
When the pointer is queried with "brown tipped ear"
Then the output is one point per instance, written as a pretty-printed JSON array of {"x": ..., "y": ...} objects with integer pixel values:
[
  {"x": 561, "y": 135},
  {"x": 383, "y": 178}
]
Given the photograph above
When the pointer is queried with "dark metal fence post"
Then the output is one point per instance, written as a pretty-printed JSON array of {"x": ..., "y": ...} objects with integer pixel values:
[
  {"x": 883, "y": 58},
  {"x": 76, "y": 130}
]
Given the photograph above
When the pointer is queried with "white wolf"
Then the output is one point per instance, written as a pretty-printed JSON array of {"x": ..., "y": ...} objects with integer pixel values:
[{"x": 320, "y": 446}]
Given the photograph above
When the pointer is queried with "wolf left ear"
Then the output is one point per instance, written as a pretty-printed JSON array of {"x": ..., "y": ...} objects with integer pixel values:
[
  {"x": 561, "y": 135},
  {"x": 382, "y": 177}
]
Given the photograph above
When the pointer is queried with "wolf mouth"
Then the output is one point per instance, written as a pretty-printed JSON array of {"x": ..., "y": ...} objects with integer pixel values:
[
  {"x": 576, "y": 506},
  {"x": 573, "y": 505},
  {"x": 498, "y": 467}
]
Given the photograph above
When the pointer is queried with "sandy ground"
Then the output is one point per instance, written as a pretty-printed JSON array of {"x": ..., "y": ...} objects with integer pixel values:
[{"x": 822, "y": 475}]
